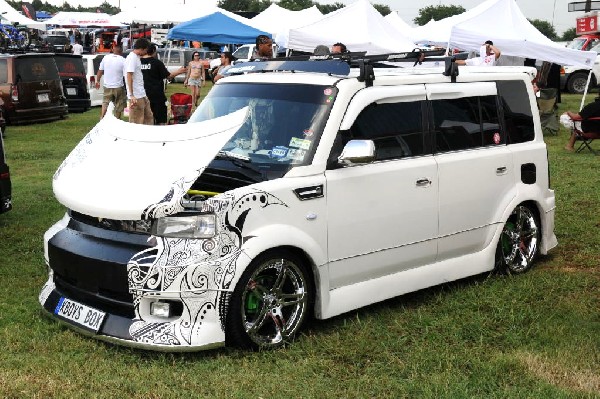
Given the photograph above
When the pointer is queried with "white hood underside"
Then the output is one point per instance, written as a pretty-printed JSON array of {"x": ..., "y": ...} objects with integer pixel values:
[{"x": 126, "y": 171}]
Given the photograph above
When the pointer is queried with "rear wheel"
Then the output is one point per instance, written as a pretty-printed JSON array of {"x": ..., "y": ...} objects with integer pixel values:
[
  {"x": 270, "y": 302},
  {"x": 577, "y": 82},
  {"x": 518, "y": 244}
]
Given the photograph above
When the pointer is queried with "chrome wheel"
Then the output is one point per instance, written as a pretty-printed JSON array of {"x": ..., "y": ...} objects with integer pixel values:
[
  {"x": 518, "y": 243},
  {"x": 272, "y": 300}
]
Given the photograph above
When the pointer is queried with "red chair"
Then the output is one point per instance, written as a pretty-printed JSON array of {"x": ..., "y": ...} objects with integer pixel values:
[
  {"x": 585, "y": 138},
  {"x": 181, "y": 108}
]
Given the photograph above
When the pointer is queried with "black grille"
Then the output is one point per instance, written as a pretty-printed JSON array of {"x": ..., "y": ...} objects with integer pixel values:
[{"x": 130, "y": 226}]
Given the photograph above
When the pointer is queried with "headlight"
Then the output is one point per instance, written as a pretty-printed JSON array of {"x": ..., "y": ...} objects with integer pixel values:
[{"x": 195, "y": 226}]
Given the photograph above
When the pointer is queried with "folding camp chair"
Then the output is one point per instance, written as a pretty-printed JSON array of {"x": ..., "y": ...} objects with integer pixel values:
[{"x": 585, "y": 138}]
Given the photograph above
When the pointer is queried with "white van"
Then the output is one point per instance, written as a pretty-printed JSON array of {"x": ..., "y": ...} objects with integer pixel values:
[
  {"x": 293, "y": 193},
  {"x": 91, "y": 64}
]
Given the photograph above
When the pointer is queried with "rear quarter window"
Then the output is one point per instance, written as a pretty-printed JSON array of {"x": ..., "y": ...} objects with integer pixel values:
[
  {"x": 516, "y": 108},
  {"x": 35, "y": 69}
]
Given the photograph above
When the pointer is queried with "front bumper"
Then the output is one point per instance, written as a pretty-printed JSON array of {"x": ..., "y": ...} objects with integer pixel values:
[
  {"x": 97, "y": 268},
  {"x": 117, "y": 329}
]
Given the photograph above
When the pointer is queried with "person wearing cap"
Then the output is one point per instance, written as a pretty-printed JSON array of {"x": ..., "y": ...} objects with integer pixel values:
[{"x": 488, "y": 56}]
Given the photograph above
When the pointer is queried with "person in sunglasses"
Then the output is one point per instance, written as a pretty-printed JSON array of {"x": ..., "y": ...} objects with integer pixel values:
[{"x": 195, "y": 77}]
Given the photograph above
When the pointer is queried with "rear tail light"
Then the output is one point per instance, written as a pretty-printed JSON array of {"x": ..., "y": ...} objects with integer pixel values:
[
  {"x": 14, "y": 93},
  {"x": 562, "y": 70},
  {"x": 92, "y": 82},
  {"x": 4, "y": 176}
]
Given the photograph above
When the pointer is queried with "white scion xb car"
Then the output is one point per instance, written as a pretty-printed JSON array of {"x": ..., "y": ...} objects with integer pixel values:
[{"x": 296, "y": 194}]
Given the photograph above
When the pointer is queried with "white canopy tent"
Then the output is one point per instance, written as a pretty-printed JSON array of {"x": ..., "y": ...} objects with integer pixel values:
[
  {"x": 438, "y": 32},
  {"x": 176, "y": 13},
  {"x": 10, "y": 14},
  {"x": 359, "y": 26},
  {"x": 400, "y": 25},
  {"x": 83, "y": 19},
  {"x": 503, "y": 22},
  {"x": 278, "y": 21}
]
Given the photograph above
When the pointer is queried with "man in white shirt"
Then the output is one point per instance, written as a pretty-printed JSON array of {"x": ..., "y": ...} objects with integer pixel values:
[
  {"x": 77, "y": 48},
  {"x": 488, "y": 55},
  {"x": 111, "y": 67},
  {"x": 139, "y": 105}
]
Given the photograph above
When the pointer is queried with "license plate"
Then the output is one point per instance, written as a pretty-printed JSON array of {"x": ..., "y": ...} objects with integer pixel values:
[
  {"x": 71, "y": 91},
  {"x": 43, "y": 98},
  {"x": 80, "y": 314}
]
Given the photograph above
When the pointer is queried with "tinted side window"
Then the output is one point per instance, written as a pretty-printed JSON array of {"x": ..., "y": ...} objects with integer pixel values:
[
  {"x": 396, "y": 129},
  {"x": 465, "y": 123},
  {"x": 3, "y": 71},
  {"x": 515, "y": 104}
]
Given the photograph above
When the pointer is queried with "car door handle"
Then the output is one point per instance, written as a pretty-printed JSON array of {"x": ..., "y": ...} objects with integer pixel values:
[
  {"x": 501, "y": 170},
  {"x": 424, "y": 182}
]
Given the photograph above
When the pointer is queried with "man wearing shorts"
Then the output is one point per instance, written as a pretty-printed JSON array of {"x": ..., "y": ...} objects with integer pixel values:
[
  {"x": 114, "y": 88},
  {"x": 139, "y": 105},
  {"x": 155, "y": 72}
]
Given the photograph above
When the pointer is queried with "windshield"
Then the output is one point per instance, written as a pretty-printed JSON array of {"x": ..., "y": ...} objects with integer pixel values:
[
  {"x": 284, "y": 121},
  {"x": 577, "y": 43}
]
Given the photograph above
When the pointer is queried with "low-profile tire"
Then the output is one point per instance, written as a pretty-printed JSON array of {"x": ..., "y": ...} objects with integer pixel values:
[
  {"x": 577, "y": 82},
  {"x": 519, "y": 241},
  {"x": 270, "y": 302}
]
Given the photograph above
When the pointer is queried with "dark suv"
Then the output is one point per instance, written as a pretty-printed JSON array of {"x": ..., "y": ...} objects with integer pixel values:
[
  {"x": 5, "y": 186},
  {"x": 73, "y": 77},
  {"x": 57, "y": 43},
  {"x": 30, "y": 88}
]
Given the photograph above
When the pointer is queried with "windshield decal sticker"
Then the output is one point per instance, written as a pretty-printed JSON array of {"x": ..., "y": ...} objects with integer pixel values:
[
  {"x": 279, "y": 152},
  {"x": 200, "y": 272},
  {"x": 296, "y": 154},
  {"x": 300, "y": 143}
]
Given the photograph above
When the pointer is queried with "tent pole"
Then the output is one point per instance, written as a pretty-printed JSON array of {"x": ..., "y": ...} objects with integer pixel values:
[{"x": 586, "y": 90}]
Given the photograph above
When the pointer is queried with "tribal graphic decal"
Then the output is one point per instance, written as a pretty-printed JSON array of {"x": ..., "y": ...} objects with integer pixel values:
[
  {"x": 199, "y": 272},
  {"x": 171, "y": 203}
]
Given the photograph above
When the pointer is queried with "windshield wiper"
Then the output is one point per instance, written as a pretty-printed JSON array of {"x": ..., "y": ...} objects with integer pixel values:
[{"x": 243, "y": 161}]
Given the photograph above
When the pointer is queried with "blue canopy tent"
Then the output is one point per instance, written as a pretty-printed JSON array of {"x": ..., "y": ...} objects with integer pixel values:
[{"x": 215, "y": 28}]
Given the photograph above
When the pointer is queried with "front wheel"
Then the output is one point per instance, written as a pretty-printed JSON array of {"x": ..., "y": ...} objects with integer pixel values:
[
  {"x": 270, "y": 302},
  {"x": 518, "y": 244}
]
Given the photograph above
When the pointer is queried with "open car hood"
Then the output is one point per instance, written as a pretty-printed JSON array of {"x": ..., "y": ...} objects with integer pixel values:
[{"x": 125, "y": 171}]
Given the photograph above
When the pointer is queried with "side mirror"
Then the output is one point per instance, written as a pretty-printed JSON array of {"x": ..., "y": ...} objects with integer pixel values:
[{"x": 357, "y": 152}]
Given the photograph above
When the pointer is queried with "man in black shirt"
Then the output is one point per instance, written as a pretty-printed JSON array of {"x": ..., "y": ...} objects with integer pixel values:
[
  {"x": 155, "y": 73},
  {"x": 591, "y": 110}
]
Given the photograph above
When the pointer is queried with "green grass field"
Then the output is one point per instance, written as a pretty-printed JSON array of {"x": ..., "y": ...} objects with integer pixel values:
[{"x": 530, "y": 336}]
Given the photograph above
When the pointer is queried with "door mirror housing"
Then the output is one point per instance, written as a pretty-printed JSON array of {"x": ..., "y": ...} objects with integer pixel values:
[{"x": 357, "y": 152}]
